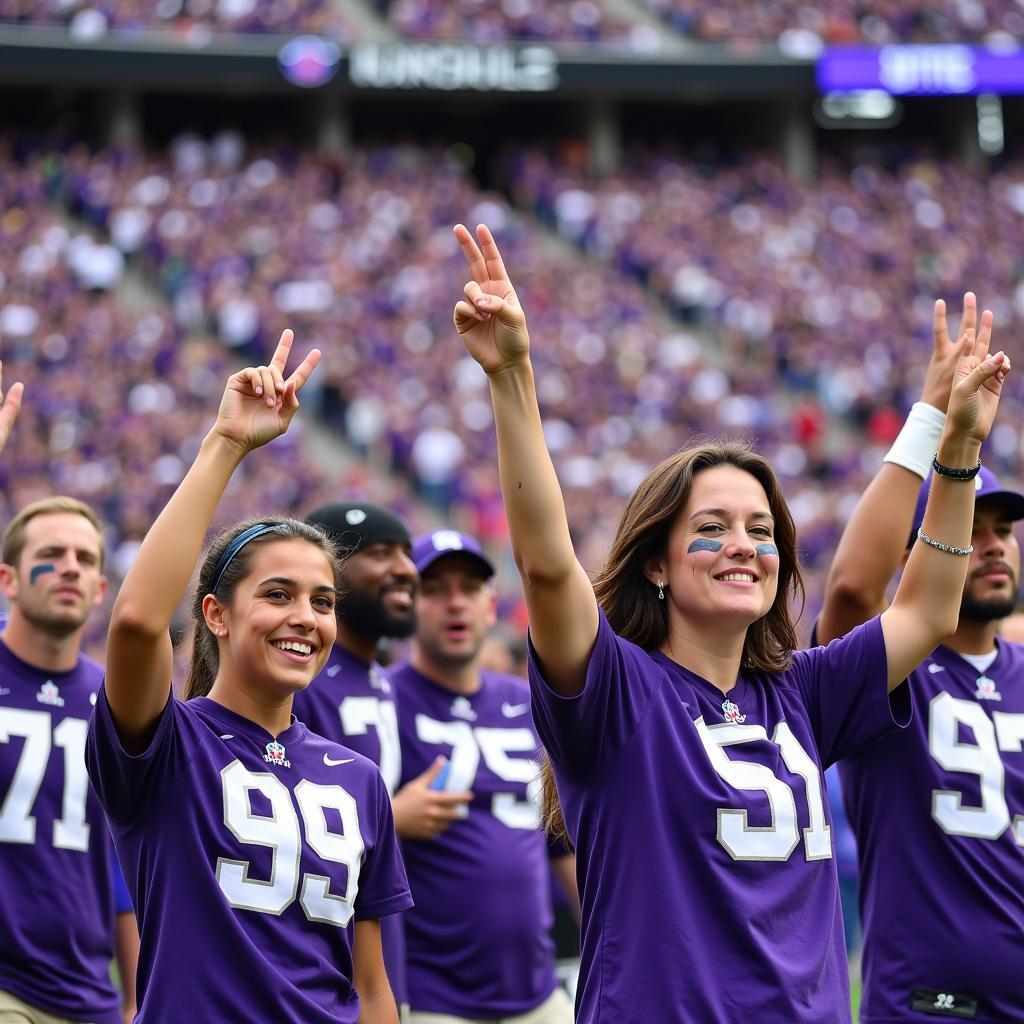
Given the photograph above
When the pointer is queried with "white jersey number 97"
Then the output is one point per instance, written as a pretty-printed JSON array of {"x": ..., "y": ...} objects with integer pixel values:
[{"x": 982, "y": 757}]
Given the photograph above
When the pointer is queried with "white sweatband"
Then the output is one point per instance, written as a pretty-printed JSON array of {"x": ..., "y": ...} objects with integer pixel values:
[{"x": 918, "y": 441}]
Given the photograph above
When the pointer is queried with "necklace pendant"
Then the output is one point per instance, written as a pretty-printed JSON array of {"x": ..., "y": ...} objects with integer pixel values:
[{"x": 731, "y": 711}]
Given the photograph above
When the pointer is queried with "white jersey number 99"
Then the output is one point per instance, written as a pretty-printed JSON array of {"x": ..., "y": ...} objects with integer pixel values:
[{"x": 280, "y": 832}]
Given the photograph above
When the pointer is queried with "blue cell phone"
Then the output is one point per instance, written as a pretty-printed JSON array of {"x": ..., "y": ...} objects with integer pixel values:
[{"x": 441, "y": 781}]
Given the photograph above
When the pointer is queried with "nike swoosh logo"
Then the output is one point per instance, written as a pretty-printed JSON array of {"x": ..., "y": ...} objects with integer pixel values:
[
  {"x": 331, "y": 763},
  {"x": 333, "y": 670},
  {"x": 514, "y": 710},
  {"x": 227, "y": 735},
  {"x": 933, "y": 668}
]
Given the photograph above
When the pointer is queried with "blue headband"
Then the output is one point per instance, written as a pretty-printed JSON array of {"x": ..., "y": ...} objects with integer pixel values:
[{"x": 236, "y": 545}]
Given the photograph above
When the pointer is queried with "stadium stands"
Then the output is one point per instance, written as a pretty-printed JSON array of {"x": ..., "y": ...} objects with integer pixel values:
[
  {"x": 357, "y": 256},
  {"x": 873, "y": 22},
  {"x": 92, "y": 18}
]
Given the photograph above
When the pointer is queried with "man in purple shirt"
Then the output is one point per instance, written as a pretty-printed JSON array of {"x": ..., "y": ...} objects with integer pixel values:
[
  {"x": 478, "y": 944},
  {"x": 351, "y": 701},
  {"x": 938, "y": 810},
  {"x": 57, "y": 869}
]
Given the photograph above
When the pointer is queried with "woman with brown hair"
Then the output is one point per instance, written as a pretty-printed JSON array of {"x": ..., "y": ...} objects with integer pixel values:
[
  {"x": 687, "y": 735},
  {"x": 260, "y": 856}
]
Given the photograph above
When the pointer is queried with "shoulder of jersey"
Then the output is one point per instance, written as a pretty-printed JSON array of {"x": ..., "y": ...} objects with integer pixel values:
[
  {"x": 510, "y": 686},
  {"x": 334, "y": 754}
]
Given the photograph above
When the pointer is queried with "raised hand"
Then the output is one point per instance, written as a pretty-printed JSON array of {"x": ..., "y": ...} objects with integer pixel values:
[
  {"x": 489, "y": 319},
  {"x": 9, "y": 409},
  {"x": 977, "y": 383},
  {"x": 938, "y": 377},
  {"x": 259, "y": 402}
]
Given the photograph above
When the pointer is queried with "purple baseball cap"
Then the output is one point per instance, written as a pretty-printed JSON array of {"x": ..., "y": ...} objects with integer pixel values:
[
  {"x": 986, "y": 485},
  {"x": 429, "y": 547}
]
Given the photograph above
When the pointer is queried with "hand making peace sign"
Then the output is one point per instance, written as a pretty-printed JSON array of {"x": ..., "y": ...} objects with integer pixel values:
[
  {"x": 258, "y": 402},
  {"x": 977, "y": 382},
  {"x": 489, "y": 319},
  {"x": 946, "y": 353}
]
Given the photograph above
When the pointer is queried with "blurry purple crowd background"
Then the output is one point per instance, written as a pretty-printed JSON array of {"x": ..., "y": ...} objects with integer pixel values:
[
  {"x": 817, "y": 298},
  {"x": 191, "y": 19},
  {"x": 793, "y": 23}
]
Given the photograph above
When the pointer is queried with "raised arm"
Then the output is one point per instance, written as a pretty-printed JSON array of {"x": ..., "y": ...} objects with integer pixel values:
[
  {"x": 926, "y": 606},
  {"x": 257, "y": 406},
  {"x": 559, "y": 598},
  {"x": 10, "y": 405},
  {"x": 875, "y": 538}
]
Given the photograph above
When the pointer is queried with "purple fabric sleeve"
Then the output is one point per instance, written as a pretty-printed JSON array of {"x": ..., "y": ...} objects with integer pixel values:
[
  {"x": 383, "y": 885},
  {"x": 845, "y": 690},
  {"x": 583, "y": 733},
  {"x": 125, "y": 782}
]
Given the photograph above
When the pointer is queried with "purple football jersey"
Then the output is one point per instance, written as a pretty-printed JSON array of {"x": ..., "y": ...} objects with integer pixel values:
[
  {"x": 246, "y": 858},
  {"x": 477, "y": 941},
  {"x": 351, "y": 701},
  {"x": 703, "y": 838},
  {"x": 939, "y": 816},
  {"x": 56, "y": 872}
]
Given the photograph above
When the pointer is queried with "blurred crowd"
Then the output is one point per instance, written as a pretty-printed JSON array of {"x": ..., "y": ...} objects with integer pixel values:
[
  {"x": 802, "y": 26},
  {"x": 817, "y": 298},
  {"x": 191, "y": 19},
  {"x": 795, "y": 24},
  {"x": 494, "y": 21}
]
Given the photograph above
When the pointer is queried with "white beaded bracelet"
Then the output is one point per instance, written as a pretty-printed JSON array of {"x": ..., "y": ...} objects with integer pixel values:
[{"x": 950, "y": 549}]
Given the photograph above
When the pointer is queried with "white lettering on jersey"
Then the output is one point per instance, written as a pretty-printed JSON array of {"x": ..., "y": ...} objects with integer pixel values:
[
  {"x": 468, "y": 743},
  {"x": 279, "y": 832},
  {"x": 778, "y": 840},
  {"x": 17, "y": 825},
  {"x": 1002, "y": 732}
]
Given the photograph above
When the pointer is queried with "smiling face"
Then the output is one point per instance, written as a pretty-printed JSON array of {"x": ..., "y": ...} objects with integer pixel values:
[
  {"x": 455, "y": 611},
  {"x": 379, "y": 591},
  {"x": 58, "y": 579},
  {"x": 993, "y": 578},
  {"x": 721, "y": 567},
  {"x": 276, "y": 633}
]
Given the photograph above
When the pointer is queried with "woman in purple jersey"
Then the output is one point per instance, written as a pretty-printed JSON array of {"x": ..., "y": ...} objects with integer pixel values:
[
  {"x": 250, "y": 844},
  {"x": 687, "y": 735}
]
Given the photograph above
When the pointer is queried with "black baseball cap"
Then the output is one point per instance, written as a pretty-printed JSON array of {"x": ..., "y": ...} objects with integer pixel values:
[
  {"x": 354, "y": 525},
  {"x": 986, "y": 485}
]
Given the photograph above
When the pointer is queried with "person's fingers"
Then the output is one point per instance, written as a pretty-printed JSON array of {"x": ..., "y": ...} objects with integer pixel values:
[
  {"x": 969, "y": 316},
  {"x": 284, "y": 347},
  {"x": 268, "y": 384},
  {"x": 304, "y": 370},
  {"x": 12, "y": 401},
  {"x": 249, "y": 380},
  {"x": 475, "y": 259},
  {"x": 489, "y": 247},
  {"x": 473, "y": 293},
  {"x": 445, "y": 799},
  {"x": 433, "y": 770},
  {"x": 445, "y": 816},
  {"x": 467, "y": 316},
  {"x": 503, "y": 310},
  {"x": 983, "y": 336},
  {"x": 986, "y": 371},
  {"x": 940, "y": 332}
]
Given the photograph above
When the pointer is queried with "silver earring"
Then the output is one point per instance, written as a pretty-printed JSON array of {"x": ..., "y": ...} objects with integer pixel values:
[{"x": 661, "y": 590}]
